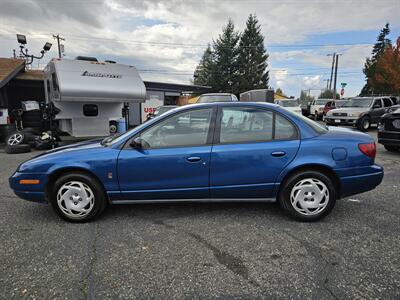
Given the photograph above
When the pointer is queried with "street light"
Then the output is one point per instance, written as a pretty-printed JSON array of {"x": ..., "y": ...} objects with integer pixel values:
[
  {"x": 24, "y": 51},
  {"x": 21, "y": 39},
  {"x": 47, "y": 46}
]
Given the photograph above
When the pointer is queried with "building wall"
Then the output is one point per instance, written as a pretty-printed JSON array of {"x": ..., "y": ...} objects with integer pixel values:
[{"x": 138, "y": 111}]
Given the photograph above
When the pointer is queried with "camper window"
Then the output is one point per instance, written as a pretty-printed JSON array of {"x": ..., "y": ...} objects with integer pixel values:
[{"x": 90, "y": 110}]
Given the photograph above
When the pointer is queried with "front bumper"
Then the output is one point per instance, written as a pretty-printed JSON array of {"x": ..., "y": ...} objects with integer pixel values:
[
  {"x": 30, "y": 192},
  {"x": 359, "y": 180},
  {"x": 341, "y": 120},
  {"x": 390, "y": 138}
]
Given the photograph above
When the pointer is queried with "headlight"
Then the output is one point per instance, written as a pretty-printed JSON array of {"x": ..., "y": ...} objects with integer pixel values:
[{"x": 381, "y": 126}]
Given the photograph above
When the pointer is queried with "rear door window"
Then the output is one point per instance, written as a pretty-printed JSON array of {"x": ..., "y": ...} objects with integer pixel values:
[
  {"x": 249, "y": 125},
  {"x": 387, "y": 102},
  {"x": 377, "y": 103}
]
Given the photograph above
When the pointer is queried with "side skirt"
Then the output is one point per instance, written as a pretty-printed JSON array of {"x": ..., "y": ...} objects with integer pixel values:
[{"x": 194, "y": 200}]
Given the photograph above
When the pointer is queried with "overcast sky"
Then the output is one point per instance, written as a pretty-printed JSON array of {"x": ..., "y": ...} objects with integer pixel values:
[{"x": 165, "y": 39}]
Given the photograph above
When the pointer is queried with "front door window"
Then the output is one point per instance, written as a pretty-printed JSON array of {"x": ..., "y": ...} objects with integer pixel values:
[{"x": 185, "y": 129}]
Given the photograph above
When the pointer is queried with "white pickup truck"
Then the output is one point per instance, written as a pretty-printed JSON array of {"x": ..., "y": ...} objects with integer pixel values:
[{"x": 317, "y": 108}]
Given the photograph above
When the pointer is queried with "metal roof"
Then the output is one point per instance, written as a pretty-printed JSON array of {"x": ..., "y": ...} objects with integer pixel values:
[
  {"x": 9, "y": 68},
  {"x": 175, "y": 87},
  {"x": 37, "y": 75}
]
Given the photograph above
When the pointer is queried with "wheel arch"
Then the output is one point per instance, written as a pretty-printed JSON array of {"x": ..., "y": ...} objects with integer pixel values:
[
  {"x": 324, "y": 169},
  {"x": 53, "y": 176}
]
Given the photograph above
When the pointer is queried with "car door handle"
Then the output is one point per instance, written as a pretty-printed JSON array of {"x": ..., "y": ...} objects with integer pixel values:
[
  {"x": 193, "y": 159},
  {"x": 278, "y": 153}
]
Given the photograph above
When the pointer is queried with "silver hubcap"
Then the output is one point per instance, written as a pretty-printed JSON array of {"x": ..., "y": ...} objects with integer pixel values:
[
  {"x": 113, "y": 129},
  {"x": 15, "y": 139},
  {"x": 75, "y": 199},
  {"x": 309, "y": 196},
  {"x": 366, "y": 124}
]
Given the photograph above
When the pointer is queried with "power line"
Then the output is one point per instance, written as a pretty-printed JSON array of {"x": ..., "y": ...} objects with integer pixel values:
[{"x": 190, "y": 45}]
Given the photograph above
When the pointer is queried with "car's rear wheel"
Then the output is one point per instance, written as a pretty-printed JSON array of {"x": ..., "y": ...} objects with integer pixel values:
[
  {"x": 364, "y": 123},
  {"x": 77, "y": 197},
  {"x": 308, "y": 196},
  {"x": 316, "y": 117}
]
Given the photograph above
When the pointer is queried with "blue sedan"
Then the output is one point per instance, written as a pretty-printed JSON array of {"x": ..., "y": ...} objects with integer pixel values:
[{"x": 207, "y": 152}]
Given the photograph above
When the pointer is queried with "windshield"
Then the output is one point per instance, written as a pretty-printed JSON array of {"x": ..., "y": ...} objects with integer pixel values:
[
  {"x": 288, "y": 103},
  {"x": 214, "y": 98},
  {"x": 322, "y": 101},
  {"x": 339, "y": 103},
  {"x": 358, "y": 102}
]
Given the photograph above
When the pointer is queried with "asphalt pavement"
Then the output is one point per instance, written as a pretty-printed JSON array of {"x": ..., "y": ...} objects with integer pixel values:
[{"x": 203, "y": 251}]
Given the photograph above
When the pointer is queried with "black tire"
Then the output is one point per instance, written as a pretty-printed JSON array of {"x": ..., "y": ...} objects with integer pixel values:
[
  {"x": 316, "y": 116},
  {"x": 44, "y": 145},
  {"x": 15, "y": 138},
  {"x": 364, "y": 124},
  {"x": 113, "y": 127},
  {"x": 17, "y": 149},
  {"x": 390, "y": 148},
  {"x": 100, "y": 200},
  {"x": 30, "y": 137},
  {"x": 290, "y": 183}
]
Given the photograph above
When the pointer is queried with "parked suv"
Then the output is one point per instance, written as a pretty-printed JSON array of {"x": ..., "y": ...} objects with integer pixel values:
[
  {"x": 389, "y": 129},
  {"x": 361, "y": 112}
]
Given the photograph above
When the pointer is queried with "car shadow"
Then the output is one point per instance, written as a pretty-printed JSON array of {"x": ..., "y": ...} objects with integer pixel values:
[{"x": 191, "y": 209}]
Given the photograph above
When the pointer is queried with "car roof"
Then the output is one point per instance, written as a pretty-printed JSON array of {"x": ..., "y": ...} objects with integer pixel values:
[
  {"x": 216, "y": 94},
  {"x": 235, "y": 103}
]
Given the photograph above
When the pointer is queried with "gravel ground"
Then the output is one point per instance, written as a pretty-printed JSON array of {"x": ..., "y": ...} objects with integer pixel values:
[{"x": 239, "y": 250}]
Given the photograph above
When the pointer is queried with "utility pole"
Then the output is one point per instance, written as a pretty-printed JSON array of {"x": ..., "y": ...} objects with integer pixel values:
[
  {"x": 58, "y": 38},
  {"x": 333, "y": 63},
  {"x": 336, "y": 67},
  {"x": 327, "y": 83}
]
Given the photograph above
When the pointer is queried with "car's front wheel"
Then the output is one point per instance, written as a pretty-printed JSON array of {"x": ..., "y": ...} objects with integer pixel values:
[
  {"x": 77, "y": 197},
  {"x": 308, "y": 196},
  {"x": 364, "y": 123}
]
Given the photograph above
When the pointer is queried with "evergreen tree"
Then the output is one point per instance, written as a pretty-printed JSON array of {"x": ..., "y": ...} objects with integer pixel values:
[
  {"x": 304, "y": 97},
  {"x": 225, "y": 50},
  {"x": 252, "y": 59},
  {"x": 203, "y": 75},
  {"x": 382, "y": 42}
]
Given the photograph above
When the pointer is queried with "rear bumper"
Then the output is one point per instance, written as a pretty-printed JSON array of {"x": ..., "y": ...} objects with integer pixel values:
[
  {"x": 34, "y": 192},
  {"x": 391, "y": 138},
  {"x": 362, "y": 180}
]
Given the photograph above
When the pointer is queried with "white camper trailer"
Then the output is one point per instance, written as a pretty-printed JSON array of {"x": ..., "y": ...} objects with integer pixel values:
[{"x": 90, "y": 95}]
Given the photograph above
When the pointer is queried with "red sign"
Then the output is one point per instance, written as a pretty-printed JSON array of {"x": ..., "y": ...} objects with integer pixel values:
[{"x": 341, "y": 92}]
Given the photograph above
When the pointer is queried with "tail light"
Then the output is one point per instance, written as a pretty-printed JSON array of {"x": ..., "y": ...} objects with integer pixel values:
[
  {"x": 8, "y": 120},
  {"x": 368, "y": 149}
]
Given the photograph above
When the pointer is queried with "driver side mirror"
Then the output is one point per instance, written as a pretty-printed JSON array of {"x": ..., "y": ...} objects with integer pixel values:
[{"x": 139, "y": 143}]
